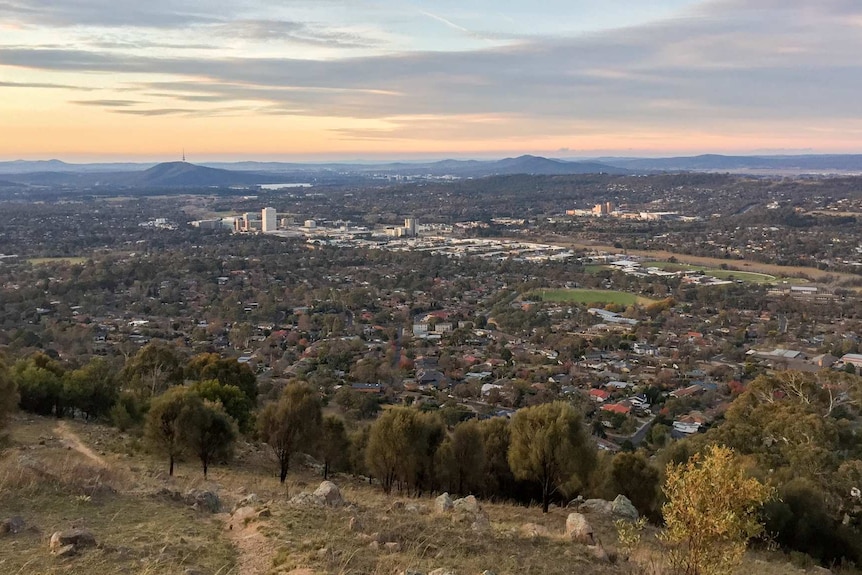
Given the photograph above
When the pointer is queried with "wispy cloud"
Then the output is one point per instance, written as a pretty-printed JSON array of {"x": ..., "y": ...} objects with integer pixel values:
[
  {"x": 723, "y": 65},
  {"x": 43, "y": 86},
  {"x": 107, "y": 103}
]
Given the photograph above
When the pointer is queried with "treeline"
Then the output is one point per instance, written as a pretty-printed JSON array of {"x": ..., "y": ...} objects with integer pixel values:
[
  {"x": 796, "y": 432},
  {"x": 198, "y": 408}
]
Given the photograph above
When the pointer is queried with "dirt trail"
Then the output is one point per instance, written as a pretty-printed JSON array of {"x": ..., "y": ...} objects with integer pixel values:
[
  {"x": 72, "y": 440},
  {"x": 254, "y": 550}
]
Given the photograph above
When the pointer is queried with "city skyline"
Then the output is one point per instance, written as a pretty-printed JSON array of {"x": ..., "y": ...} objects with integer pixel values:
[{"x": 88, "y": 81}]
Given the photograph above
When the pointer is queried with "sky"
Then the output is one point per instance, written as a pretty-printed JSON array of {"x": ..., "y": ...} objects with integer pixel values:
[{"x": 87, "y": 80}]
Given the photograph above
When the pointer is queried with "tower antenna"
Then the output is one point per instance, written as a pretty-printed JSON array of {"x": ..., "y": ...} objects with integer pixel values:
[{"x": 184, "y": 154}]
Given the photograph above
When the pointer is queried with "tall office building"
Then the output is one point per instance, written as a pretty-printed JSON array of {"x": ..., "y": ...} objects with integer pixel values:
[
  {"x": 410, "y": 227},
  {"x": 269, "y": 220}
]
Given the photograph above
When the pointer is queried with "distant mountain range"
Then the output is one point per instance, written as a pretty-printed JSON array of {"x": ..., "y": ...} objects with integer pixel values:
[
  {"x": 837, "y": 163},
  {"x": 186, "y": 175}
]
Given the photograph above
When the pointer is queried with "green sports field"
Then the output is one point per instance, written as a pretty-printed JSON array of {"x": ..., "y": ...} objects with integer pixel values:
[{"x": 69, "y": 260}]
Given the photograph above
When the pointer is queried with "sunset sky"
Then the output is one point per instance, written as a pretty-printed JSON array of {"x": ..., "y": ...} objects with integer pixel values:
[{"x": 85, "y": 80}]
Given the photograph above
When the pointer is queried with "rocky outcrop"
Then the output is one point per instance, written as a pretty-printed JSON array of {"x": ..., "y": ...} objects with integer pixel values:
[
  {"x": 326, "y": 495},
  {"x": 467, "y": 504},
  {"x": 622, "y": 507},
  {"x": 12, "y": 525},
  {"x": 329, "y": 493},
  {"x": 599, "y": 506},
  {"x": 443, "y": 503},
  {"x": 69, "y": 542},
  {"x": 579, "y": 530},
  {"x": 203, "y": 500}
]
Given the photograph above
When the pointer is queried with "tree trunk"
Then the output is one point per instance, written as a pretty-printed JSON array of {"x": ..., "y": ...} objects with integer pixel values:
[
  {"x": 325, "y": 470},
  {"x": 206, "y": 466},
  {"x": 546, "y": 496},
  {"x": 285, "y": 463},
  {"x": 171, "y": 470}
]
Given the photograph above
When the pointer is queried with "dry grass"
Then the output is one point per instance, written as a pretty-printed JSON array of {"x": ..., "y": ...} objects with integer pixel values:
[
  {"x": 53, "y": 488},
  {"x": 49, "y": 479}
]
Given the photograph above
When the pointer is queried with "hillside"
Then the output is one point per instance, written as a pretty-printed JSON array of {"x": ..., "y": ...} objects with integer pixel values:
[
  {"x": 184, "y": 174},
  {"x": 64, "y": 475}
]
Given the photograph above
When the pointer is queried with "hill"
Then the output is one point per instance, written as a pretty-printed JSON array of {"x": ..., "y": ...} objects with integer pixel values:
[
  {"x": 766, "y": 164},
  {"x": 67, "y": 475},
  {"x": 184, "y": 174}
]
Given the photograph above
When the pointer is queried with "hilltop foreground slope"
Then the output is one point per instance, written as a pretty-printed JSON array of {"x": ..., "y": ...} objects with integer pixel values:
[{"x": 60, "y": 476}]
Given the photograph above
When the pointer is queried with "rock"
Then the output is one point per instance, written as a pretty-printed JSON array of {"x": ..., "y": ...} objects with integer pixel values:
[
  {"x": 579, "y": 530},
  {"x": 600, "y": 506},
  {"x": 392, "y": 546},
  {"x": 413, "y": 508},
  {"x": 374, "y": 546},
  {"x": 443, "y": 503},
  {"x": 330, "y": 494},
  {"x": 576, "y": 502},
  {"x": 622, "y": 507},
  {"x": 66, "y": 551},
  {"x": 488, "y": 572},
  {"x": 599, "y": 554},
  {"x": 249, "y": 500},
  {"x": 78, "y": 538},
  {"x": 12, "y": 525},
  {"x": 203, "y": 500},
  {"x": 481, "y": 523},
  {"x": 442, "y": 571},
  {"x": 306, "y": 499},
  {"x": 263, "y": 513},
  {"x": 410, "y": 572},
  {"x": 244, "y": 515},
  {"x": 532, "y": 531},
  {"x": 466, "y": 505}
]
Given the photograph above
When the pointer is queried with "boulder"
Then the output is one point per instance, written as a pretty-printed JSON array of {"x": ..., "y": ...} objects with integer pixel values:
[
  {"x": 622, "y": 507},
  {"x": 77, "y": 538},
  {"x": 66, "y": 551},
  {"x": 12, "y": 525},
  {"x": 466, "y": 505},
  {"x": 413, "y": 508},
  {"x": 250, "y": 500},
  {"x": 244, "y": 515},
  {"x": 599, "y": 554},
  {"x": 481, "y": 523},
  {"x": 203, "y": 500},
  {"x": 579, "y": 530},
  {"x": 533, "y": 531},
  {"x": 599, "y": 506},
  {"x": 443, "y": 503},
  {"x": 306, "y": 499},
  {"x": 330, "y": 494}
]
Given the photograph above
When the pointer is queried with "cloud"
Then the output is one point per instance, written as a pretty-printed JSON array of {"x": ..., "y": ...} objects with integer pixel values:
[
  {"x": 296, "y": 32},
  {"x": 107, "y": 103},
  {"x": 725, "y": 65},
  {"x": 43, "y": 86},
  {"x": 129, "y": 13}
]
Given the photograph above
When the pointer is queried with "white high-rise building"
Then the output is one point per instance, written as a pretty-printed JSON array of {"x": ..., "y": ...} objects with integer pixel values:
[
  {"x": 410, "y": 227},
  {"x": 269, "y": 220}
]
